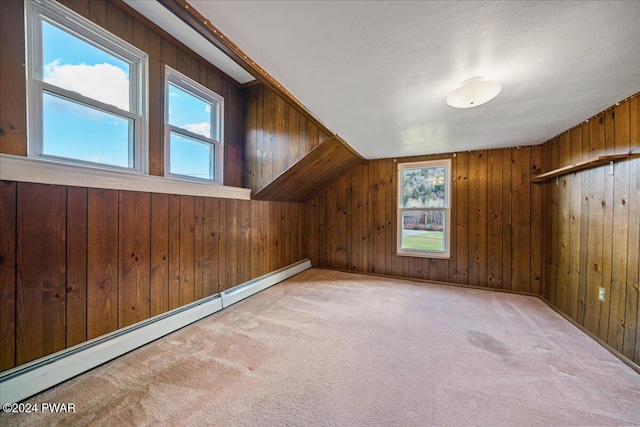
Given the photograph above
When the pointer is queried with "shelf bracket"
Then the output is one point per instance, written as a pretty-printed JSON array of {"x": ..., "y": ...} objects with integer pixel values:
[{"x": 611, "y": 168}]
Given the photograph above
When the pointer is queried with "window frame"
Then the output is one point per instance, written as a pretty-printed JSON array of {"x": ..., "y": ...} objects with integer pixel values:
[
  {"x": 197, "y": 90},
  {"x": 38, "y": 11},
  {"x": 446, "y": 254}
]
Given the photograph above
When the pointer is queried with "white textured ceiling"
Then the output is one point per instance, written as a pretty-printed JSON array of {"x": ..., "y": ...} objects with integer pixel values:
[{"x": 378, "y": 73}]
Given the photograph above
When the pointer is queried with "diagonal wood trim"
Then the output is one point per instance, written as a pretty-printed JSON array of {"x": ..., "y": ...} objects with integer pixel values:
[
  {"x": 312, "y": 173},
  {"x": 204, "y": 27}
]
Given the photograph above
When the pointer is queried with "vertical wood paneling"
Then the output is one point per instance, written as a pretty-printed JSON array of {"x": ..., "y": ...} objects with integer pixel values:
[
  {"x": 223, "y": 234},
  {"x": 631, "y": 345},
  {"x": 102, "y": 262},
  {"x": 575, "y": 204},
  {"x": 521, "y": 215},
  {"x": 251, "y": 134},
  {"x": 322, "y": 229},
  {"x": 232, "y": 244},
  {"x": 276, "y": 136},
  {"x": 341, "y": 222},
  {"x": 390, "y": 209},
  {"x": 175, "y": 230},
  {"x": 507, "y": 219},
  {"x": 41, "y": 271},
  {"x": 269, "y": 138},
  {"x": 494, "y": 219},
  {"x": 187, "y": 249},
  {"x": 156, "y": 109},
  {"x": 244, "y": 240},
  {"x": 119, "y": 22},
  {"x": 76, "y": 316},
  {"x": 355, "y": 230},
  {"x": 8, "y": 215},
  {"x": 478, "y": 218},
  {"x": 211, "y": 263},
  {"x": 462, "y": 219},
  {"x": 536, "y": 224},
  {"x": 599, "y": 245},
  {"x": 257, "y": 243},
  {"x": 134, "y": 283},
  {"x": 483, "y": 205},
  {"x": 595, "y": 230},
  {"x": 607, "y": 245},
  {"x": 159, "y": 253},
  {"x": 146, "y": 39},
  {"x": 584, "y": 228},
  {"x": 620, "y": 231},
  {"x": 378, "y": 198},
  {"x": 13, "y": 107},
  {"x": 199, "y": 248},
  {"x": 564, "y": 151}
]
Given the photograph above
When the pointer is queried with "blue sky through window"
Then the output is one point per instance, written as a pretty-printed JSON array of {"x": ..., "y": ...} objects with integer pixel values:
[
  {"x": 69, "y": 130},
  {"x": 75, "y": 130},
  {"x": 189, "y": 112},
  {"x": 190, "y": 157}
]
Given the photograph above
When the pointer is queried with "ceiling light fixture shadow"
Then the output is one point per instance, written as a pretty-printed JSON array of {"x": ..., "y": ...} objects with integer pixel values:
[{"x": 474, "y": 92}]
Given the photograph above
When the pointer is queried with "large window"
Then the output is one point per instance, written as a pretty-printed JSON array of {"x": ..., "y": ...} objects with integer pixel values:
[
  {"x": 424, "y": 208},
  {"x": 86, "y": 91},
  {"x": 193, "y": 129}
]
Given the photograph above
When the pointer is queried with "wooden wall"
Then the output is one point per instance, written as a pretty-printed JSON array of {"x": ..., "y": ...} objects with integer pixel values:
[
  {"x": 77, "y": 263},
  {"x": 592, "y": 228},
  {"x": 496, "y": 216},
  {"x": 119, "y": 19},
  {"x": 276, "y": 136}
]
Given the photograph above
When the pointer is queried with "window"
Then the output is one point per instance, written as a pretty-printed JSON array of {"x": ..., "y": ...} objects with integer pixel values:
[
  {"x": 193, "y": 122},
  {"x": 86, "y": 91},
  {"x": 424, "y": 208}
]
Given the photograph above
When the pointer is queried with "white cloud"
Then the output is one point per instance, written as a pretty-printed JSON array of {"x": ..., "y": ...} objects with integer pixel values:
[
  {"x": 103, "y": 82},
  {"x": 199, "y": 128}
]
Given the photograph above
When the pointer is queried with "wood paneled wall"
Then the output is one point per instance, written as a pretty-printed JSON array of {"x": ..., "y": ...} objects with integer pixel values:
[
  {"x": 77, "y": 263},
  {"x": 276, "y": 136},
  {"x": 592, "y": 228},
  {"x": 496, "y": 233},
  {"x": 117, "y": 18}
]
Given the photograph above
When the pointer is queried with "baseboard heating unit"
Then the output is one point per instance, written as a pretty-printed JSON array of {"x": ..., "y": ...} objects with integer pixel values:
[{"x": 26, "y": 380}]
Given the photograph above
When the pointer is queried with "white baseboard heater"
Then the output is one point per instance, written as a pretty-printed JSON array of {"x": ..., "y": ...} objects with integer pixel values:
[{"x": 26, "y": 380}]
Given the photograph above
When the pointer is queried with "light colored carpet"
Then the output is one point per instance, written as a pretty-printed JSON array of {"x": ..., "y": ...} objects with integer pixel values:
[{"x": 339, "y": 349}]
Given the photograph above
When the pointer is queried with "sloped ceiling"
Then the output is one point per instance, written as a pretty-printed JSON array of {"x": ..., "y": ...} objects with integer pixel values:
[{"x": 378, "y": 73}]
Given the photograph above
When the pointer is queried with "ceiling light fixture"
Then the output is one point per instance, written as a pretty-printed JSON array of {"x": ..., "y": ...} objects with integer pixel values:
[{"x": 474, "y": 92}]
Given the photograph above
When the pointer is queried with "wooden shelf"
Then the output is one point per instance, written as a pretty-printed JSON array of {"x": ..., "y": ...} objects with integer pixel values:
[{"x": 587, "y": 164}]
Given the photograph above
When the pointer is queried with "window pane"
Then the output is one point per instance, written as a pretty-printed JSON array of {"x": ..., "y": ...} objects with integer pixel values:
[
  {"x": 423, "y": 230},
  {"x": 190, "y": 157},
  {"x": 75, "y": 131},
  {"x": 73, "y": 64},
  {"x": 189, "y": 112},
  {"x": 424, "y": 187}
]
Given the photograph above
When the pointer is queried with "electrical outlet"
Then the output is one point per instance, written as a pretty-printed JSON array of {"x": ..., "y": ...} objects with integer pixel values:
[{"x": 601, "y": 294}]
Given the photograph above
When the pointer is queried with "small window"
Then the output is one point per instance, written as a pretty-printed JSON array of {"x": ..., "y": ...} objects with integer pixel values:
[
  {"x": 424, "y": 208},
  {"x": 193, "y": 122},
  {"x": 86, "y": 91}
]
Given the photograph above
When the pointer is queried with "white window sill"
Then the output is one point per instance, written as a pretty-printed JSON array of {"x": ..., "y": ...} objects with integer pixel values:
[
  {"x": 26, "y": 169},
  {"x": 423, "y": 254}
]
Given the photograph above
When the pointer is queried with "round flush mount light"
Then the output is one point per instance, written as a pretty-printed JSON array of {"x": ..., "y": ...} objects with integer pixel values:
[{"x": 474, "y": 92}]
